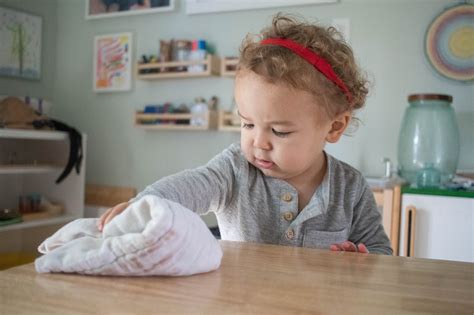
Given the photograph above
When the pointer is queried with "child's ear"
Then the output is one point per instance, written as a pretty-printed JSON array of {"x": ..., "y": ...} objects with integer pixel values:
[{"x": 338, "y": 126}]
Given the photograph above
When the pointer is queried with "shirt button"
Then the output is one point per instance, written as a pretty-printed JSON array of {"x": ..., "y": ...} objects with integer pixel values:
[
  {"x": 287, "y": 197},
  {"x": 288, "y": 216},
  {"x": 290, "y": 234}
]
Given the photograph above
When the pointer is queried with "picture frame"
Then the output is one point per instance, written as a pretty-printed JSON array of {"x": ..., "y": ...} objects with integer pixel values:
[
  {"x": 112, "y": 62},
  {"x": 212, "y": 6},
  {"x": 96, "y": 9},
  {"x": 20, "y": 50}
]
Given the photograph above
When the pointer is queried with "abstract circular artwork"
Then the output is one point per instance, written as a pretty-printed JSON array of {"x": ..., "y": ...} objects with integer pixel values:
[{"x": 449, "y": 43}]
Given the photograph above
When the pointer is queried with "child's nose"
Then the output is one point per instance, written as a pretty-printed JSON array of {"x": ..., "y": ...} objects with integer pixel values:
[{"x": 261, "y": 141}]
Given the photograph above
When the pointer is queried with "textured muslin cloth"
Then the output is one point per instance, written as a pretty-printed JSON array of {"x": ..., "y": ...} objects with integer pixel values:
[{"x": 153, "y": 236}]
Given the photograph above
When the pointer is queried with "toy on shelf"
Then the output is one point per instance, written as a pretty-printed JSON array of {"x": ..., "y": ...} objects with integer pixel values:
[
  {"x": 178, "y": 59},
  {"x": 198, "y": 116}
]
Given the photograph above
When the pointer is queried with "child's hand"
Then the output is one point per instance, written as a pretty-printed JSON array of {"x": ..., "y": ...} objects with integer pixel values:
[
  {"x": 110, "y": 214},
  {"x": 348, "y": 246}
]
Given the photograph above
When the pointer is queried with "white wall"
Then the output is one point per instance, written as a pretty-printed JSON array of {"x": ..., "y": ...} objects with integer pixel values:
[
  {"x": 387, "y": 37},
  {"x": 44, "y": 87}
]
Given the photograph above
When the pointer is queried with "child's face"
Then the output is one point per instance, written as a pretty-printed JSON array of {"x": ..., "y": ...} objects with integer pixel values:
[{"x": 283, "y": 130}]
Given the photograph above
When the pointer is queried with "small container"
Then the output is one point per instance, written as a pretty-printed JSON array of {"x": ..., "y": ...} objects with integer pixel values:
[
  {"x": 181, "y": 51},
  {"x": 199, "y": 113},
  {"x": 198, "y": 52}
]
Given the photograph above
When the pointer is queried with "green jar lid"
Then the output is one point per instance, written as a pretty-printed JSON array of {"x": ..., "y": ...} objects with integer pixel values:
[{"x": 430, "y": 97}]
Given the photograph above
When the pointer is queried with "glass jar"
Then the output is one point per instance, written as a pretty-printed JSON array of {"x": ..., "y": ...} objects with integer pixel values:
[{"x": 428, "y": 143}]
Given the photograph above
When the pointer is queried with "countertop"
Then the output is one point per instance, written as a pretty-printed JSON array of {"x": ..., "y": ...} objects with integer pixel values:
[{"x": 256, "y": 279}]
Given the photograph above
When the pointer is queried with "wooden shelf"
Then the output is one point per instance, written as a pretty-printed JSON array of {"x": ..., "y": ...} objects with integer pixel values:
[
  {"x": 211, "y": 67},
  {"x": 40, "y": 222},
  {"x": 32, "y": 134},
  {"x": 27, "y": 168},
  {"x": 228, "y": 66},
  {"x": 140, "y": 116},
  {"x": 225, "y": 121}
]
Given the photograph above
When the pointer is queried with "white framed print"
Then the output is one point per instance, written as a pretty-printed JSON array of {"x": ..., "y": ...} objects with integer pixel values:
[
  {"x": 212, "y": 6},
  {"x": 96, "y": 9},
  {"x": 112, "y": 62},
  {"x": 20, "y": 44}
]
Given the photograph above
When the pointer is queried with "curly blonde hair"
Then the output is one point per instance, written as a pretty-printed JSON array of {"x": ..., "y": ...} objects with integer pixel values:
[{"x": 278, "y": 64}]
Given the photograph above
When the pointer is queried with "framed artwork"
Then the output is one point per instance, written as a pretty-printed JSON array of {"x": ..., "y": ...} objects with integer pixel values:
[
  {"x": 112, "y": 8},
  {"x": 20, "y": 48},
  {"x": 112, "y": 62},
  {"x": 211, "y": 6},
  {"x": 449, "y": 43}
]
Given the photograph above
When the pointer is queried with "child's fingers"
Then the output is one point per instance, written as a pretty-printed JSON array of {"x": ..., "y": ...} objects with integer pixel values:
[
  {"x": 349, "y": 246},
  {"x": 110, "y": 214},
  {"x": 100, "y": 223},
  {"x": 336, "y": 247},
  {"x": 362, "y": 248}
]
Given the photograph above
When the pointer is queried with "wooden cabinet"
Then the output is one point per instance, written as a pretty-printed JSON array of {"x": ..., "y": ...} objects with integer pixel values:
[
  {"x": 388, "y": 202},
  {"x": 30, "y": 163},
  {"x": 437, "y": 226}
]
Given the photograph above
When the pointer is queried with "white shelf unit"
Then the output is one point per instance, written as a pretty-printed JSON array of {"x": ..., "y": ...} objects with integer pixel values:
[{"x": 30, "y": 162}]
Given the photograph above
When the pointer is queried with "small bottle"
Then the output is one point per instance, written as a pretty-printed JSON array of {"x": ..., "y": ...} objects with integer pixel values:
[
  {"x": 181, "y": 53},
  {"x": 198, "y": 52},
  {"x": 199, "y": 112}
]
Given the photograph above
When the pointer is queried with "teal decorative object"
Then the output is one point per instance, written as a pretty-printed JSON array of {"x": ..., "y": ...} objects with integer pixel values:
[{"x": 428, "y": 144}]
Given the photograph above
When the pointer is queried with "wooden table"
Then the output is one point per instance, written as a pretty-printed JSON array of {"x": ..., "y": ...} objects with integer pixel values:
[{"x": 256, "y": 279}]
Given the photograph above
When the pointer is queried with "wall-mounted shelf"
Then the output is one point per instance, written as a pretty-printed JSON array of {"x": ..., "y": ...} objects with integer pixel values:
[
  {"x": 227, "y": 121},
  {"x": 164, "y": 70},
  {"x": 28, "y": 168},
  {"x": 32, "y": 134},
  {"x": 64, "y": 218},
  {"x": 229, "y": 66},
  {"x": 169, "y": 121}
]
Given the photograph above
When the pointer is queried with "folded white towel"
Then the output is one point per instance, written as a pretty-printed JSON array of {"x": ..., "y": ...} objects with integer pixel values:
[{"x": 153, "y": 236}]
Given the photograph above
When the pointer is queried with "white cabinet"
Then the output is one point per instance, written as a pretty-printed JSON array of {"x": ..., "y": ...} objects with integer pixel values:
[
  {"x": 437, "y": 227},
  {"x": 30, "y": 162}
]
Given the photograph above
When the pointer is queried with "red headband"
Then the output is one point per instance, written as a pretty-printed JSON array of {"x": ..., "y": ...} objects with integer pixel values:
[{"x": 313, "y": 58}]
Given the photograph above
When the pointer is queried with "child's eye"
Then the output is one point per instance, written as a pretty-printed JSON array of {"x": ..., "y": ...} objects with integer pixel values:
[
  {"x": 247, "y": 126},
  {"x": 281, "y": 134}
]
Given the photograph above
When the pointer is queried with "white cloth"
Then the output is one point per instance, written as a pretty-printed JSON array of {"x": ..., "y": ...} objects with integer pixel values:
[{"x": 153, "y": 236}]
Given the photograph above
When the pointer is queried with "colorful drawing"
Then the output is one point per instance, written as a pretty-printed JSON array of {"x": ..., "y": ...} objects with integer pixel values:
[
  {"x": 449, "y": 43},
  {"x": 20, "y": 48},
  {"x": 112, "y": 62}
]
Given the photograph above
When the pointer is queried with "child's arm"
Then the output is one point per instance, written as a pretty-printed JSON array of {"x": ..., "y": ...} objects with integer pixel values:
[
  {"x": 367, "y": 228},
  {"x": 206, "y": 188},
  {"x": 367, "y": 233}
]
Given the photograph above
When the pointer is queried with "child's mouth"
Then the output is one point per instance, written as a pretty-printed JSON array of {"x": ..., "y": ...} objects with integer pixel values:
[{"x": 263, "y": 163}]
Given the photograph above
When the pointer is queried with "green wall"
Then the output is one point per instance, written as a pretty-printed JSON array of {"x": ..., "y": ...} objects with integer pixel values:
[{"x": 387, "y": 37}]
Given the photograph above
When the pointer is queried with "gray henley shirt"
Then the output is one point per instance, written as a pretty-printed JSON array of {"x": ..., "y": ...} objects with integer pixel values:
[{"x": 252, "y": 207}]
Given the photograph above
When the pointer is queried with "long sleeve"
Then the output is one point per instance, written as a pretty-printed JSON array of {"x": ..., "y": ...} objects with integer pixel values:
[
  {"x": 367, "y": 225},
  {"x": 203, "y": 189}
]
